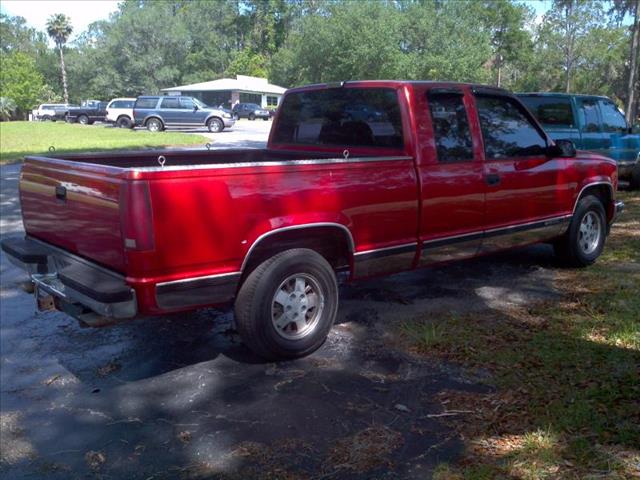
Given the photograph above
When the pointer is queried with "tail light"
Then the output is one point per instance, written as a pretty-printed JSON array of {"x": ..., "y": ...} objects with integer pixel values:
[{"x": 136, "y": 218}]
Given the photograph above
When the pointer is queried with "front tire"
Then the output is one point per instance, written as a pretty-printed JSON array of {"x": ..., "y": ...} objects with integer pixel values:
[
  {"x": 154, "y": 125},
  {"x": 287, "y": 305},
  {"x": 215, "y": 125},
  {"x": 584, "y": 241}
]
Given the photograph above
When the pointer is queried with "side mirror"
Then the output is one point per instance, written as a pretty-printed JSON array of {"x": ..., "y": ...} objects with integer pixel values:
[
  {"x": 562, "y": 148},
  {"x": 195, "y": 107}
]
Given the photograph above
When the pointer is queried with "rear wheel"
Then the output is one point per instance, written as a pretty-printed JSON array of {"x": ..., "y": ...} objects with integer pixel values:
[
  {"x": 154, "y": 125},
  {"x": 584, "y": 241},
  {"x": 634, "y": 183},
  {"x": 287, "y": 305},
  {"x": 252, "y": 116},
  {"x": 215, "y": 125},
  {"x": 83, "y": 120},
  {"x": 124, "y": 122},
  {"x": 46, "y": 118}
]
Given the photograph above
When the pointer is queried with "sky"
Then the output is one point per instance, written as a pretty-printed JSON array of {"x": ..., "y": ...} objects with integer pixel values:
[{"x": 81, "y": 12}]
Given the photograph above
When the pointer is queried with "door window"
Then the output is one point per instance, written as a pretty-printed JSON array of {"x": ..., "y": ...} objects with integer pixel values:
[
  {"x": 187, "y": 103},
  {"x": 551, "y": 111},
  {"x": 506, "y": 129},
  {"x": 172, "y": 103},
  {"x": 450, "y": 128},
  {"x": 589, "y": 115},
  {"x": 612, "y": 119}
]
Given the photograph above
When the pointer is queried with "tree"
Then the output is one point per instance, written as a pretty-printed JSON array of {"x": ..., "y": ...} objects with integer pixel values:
[
  {"x": 59, "y": 29},
  {"x": 622, "y": 8},
  {"x": 247, "y": 62},
  {"x": 7, "y": 108},
  {"x": 20, "y": 81}
]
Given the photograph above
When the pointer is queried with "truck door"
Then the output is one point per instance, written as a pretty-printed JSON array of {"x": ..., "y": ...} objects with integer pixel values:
[
  {"x": 593, "y": 138},
  {"x": 170, "y": 110},
  {"x": 525, "y": 189},
  {"x": 451, "y": 172},
  {"x": 620, "y": 144}
]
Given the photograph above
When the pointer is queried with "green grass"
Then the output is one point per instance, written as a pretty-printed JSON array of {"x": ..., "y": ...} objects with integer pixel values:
[
  {"x": 567, "y": 373},
  {"x": 18, "y": 139}
]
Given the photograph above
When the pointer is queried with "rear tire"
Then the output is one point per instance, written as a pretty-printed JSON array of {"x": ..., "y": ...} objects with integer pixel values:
[
  {"x": 124, "y": 122},
  {"x": 584, "y": 241},
  {"x": 154, "y": 125},
  {"x": 287, "y": 305},
  {"x": 634, "y": 183},
  {"x": 215, "y": 125},
  {"x": 83, "y": 120},
  {"x": 252, "y": 117}
]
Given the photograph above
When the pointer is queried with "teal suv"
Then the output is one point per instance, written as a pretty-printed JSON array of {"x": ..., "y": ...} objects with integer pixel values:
[{"x": 593, "y": 123}]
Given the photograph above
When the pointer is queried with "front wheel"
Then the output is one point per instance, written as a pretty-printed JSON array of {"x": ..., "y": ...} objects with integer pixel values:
[
  {"x": 154, "y": 125},
  {"x": 215, "y": 125},
  {"x": 584, "y": 241},
  {"x": 287, "y": 305}
]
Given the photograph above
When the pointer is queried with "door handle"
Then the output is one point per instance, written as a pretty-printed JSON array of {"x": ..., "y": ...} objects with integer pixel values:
[{"x": 492, "y": 179}]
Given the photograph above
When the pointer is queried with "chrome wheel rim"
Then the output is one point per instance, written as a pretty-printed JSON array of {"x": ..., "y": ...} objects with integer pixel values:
[
  {"x": 154, "y": 126},
  {"x": 297, "y": 306},
  {"x": 589, "y": 233},
  {"x": 83, "y": 120}
]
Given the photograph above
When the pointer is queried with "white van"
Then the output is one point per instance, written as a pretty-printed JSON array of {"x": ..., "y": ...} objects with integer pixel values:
[{"x": 120, "y": 112}]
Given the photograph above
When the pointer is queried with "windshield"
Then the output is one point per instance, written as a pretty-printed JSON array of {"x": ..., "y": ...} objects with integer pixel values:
[{"x": 199, "y": 103}]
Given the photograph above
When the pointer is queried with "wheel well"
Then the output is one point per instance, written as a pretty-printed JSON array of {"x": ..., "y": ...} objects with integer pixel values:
[
  {"x": 153, "y": 118},
  {"x": 603, "y": 192},
  {"x": 211, "y": 118},
  {"x": 123, "y": 116},
  {"x": 333, "y": 243}
]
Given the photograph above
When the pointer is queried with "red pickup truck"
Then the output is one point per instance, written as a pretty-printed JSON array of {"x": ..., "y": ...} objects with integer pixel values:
[{"x": 358, "y": 179}]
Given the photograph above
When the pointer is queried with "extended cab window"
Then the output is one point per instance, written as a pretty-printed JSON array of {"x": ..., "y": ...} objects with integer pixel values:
[
  {"x": 612, "y": 119},
  {"x": 551, "y": 111},
  {"x": 170, "y": 103},
  {"x": 450, "y": 128},
  {"x": 506, "y": 130},
  {"x": 341, "y": 117}
]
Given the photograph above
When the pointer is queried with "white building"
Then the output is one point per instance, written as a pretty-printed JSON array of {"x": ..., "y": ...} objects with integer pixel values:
[{"x": 229, "y": 91}]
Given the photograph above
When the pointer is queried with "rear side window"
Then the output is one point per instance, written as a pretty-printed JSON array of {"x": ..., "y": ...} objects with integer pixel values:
[
  {"x": 589, "y": 115},
  {"x": 612, "y": 119},
  {"x": 552, "y": 111},
  {"x": 121, "y": 104},
  {"x": 450, "y": 128},
  {"x": 341, "y": 117},
  {"x": 146, "y": 103},
  {"x": 169, "y": 102},
  {"x": 506, "y": 130}
]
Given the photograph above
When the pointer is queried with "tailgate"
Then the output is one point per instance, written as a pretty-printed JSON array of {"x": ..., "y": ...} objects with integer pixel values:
[{"x": 74, "y": 206}]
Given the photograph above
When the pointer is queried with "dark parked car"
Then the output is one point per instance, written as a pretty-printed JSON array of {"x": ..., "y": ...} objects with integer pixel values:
[
  {"x": 592, "y": 123},
  {"x": 90, "y": 111},
  {"x": 160, "y": 112},
  {"x": 250, "y": 111},
  {"x": 364, "y": 113}
]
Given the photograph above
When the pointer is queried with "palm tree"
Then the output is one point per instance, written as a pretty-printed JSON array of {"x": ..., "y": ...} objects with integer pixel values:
[
  {"x": 59, "y": 29},
  {"x": 7, "y": 108}
]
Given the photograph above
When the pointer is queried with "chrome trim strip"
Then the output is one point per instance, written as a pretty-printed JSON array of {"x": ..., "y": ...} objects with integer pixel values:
[
  {"x": 196, "y": 279},
  {"x": 296, "y": 227},
  {"x": 542, "y": 223},
  {"x": 384, "y": 249},
  {"x": 591, "y": 185},
  {"x": 317, "y": 161}
]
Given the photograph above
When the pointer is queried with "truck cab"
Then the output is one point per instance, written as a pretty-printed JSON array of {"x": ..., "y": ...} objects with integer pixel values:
[{"x": 593, "y": 123}]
